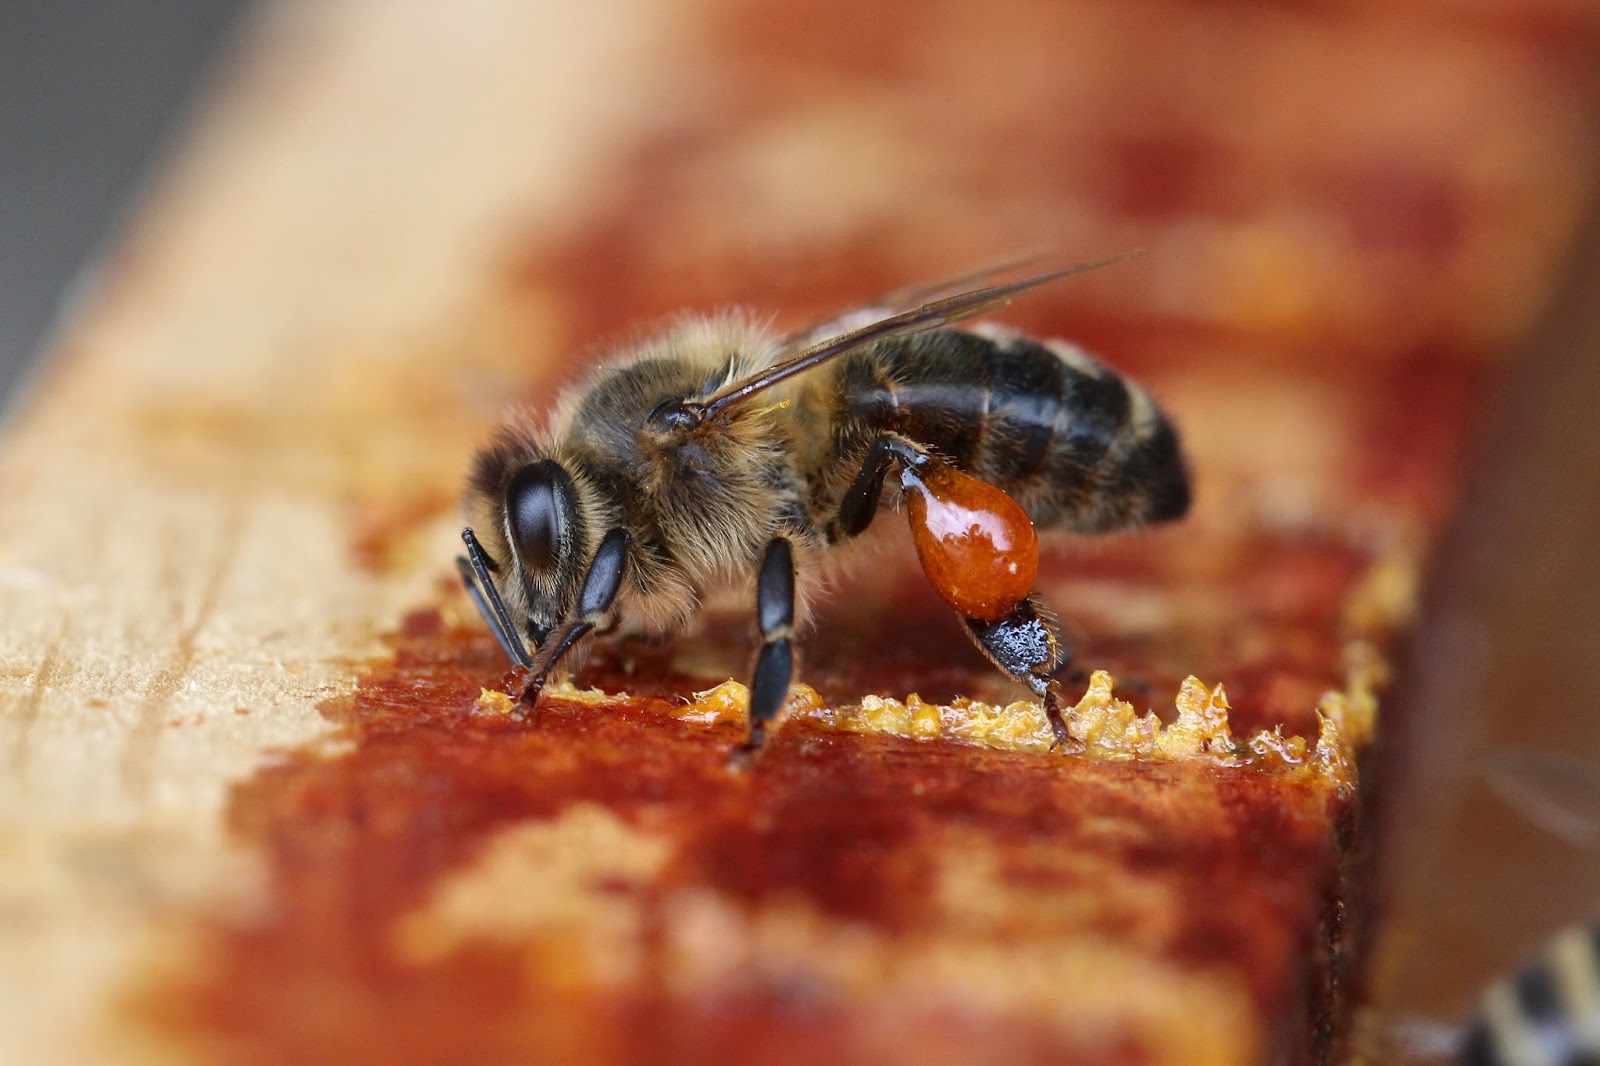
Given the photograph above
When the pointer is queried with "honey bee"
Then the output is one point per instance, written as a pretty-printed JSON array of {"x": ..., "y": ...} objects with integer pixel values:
[
  {"x": 1546, "y": 1012},
  {"x": 717, "y": 450}
]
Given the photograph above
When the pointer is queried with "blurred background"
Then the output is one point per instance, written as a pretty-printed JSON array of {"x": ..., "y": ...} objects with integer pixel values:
[{"x": 89, "y": 93}]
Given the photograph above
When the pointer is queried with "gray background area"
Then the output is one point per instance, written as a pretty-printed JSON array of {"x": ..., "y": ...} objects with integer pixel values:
[{"x": 89, "y": 92}]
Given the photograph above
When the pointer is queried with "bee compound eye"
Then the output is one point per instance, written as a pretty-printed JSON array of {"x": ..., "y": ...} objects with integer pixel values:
[{"x": 539, "y": 512}]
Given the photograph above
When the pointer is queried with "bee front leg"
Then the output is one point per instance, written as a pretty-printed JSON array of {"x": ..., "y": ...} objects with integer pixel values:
[
  {"x": 769, "y": 685},
  {"x": 475, "y": 567},
  {"x": 1028, "y": 647},
  {"x": 600, "y": 587}
]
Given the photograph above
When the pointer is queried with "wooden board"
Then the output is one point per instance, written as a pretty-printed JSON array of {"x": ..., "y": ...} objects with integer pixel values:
[{"x": 237, "y": 476}]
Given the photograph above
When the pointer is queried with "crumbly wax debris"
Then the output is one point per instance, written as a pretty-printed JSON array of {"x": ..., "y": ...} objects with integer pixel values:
[
  {"x": 1102, "y": 725},
  {"x": 493, "y": 701}
]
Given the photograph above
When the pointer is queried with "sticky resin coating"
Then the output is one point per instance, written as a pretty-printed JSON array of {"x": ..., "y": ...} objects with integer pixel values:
[{"x": 975, "y": 543}]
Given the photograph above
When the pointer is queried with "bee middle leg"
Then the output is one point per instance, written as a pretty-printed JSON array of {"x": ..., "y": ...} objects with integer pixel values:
[{"x": 769, "y": 684}]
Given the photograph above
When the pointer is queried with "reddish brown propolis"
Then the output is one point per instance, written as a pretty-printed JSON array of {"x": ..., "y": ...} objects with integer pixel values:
[
  {"x": 975, "y": 543},
  {"x": 456, "y": 884}
]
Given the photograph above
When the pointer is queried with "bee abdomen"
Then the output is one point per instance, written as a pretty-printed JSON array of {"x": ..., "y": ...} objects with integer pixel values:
[
  {"x": 1548, "y": 1013},
  {"x": 1077, "y": 445}
]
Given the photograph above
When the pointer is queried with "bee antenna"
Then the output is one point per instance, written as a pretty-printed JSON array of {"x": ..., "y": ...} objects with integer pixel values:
[
  {"x": 475, "y": 567},
  {"x": 931, "y": 315}
]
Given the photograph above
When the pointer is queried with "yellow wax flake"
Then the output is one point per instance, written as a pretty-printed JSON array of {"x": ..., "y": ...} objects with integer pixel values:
[
  {"x": 925, "y": 718},
  {"x": 1272, "y": 746},
  {"x": 492, "y": 701},
  {"x": 566, "y": 690},
  {"x": 1356, "y": 707},
  {"x": 1347, "y": 717},
  {"x": 803, "y": 702},
  {"x": 1017, "y": 726},
  {"x": 1108, "y": 727},
  {"x": 1101, "y": 725},
  {"x": 1385, "y": 598},
  {"x": 1202, "y": 727},
  {"x": 875, "y": 714},
  {"x": 730, "y": 702},
  {"x": 1330, "y": 755},
  {"x": 1020, "y": 725}
]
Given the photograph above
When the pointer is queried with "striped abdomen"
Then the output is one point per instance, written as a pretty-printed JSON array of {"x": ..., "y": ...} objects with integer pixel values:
[
  {"x": 1077, "y": 445},
  {"x": 1547, "y": 1014}
]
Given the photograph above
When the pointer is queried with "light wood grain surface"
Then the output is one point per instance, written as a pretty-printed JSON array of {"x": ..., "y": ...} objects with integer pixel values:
[{"x": 276, "y": 350}]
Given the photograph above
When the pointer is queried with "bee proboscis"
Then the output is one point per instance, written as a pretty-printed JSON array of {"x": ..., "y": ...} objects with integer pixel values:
[{"x": 662, "y": 476}]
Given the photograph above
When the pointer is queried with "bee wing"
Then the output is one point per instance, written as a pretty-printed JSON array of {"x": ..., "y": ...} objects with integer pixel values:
[
  {"x": 931, "y": 315},
  {"x": 907, "y": 298},
  {"x": 1415, "y": 1037},
  {"x": 1557, "y": 792}
]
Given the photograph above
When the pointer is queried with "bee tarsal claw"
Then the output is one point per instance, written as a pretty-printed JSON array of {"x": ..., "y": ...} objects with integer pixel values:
[
  {"x": 1063, "y": 740},
  {"x": 743, "y": 757}
]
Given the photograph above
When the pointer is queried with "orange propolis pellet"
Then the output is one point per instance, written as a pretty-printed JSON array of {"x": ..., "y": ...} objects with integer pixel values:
[{"x": 976, "y": 543}]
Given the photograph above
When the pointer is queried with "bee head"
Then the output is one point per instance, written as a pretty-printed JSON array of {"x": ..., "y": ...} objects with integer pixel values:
[
  {"x": 540, "y": 505},
  {"x": 532, "y": 522}
]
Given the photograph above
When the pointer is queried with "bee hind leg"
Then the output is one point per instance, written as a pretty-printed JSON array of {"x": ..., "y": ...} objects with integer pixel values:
[
  {"x": 1027, "y": 646},
  {"x": 769, "y": 684},
  {"x": 1025, "y": 643}
]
